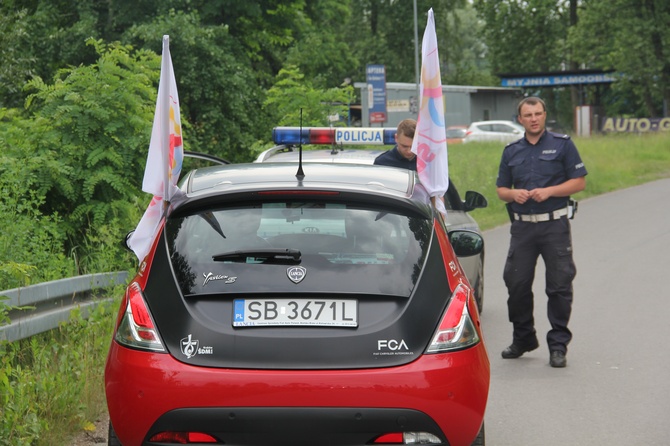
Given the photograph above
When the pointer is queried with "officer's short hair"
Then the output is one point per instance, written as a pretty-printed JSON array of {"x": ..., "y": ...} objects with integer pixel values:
[
  {"x": 531, "y": 100},
  {"x": 407, "y": 127}
]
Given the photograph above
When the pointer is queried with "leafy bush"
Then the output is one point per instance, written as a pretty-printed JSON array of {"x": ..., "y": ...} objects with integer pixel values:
[
  {"x": 89, "y": 133},
  {"x": 292, "y": 93},
  {"x": 71, "y": 173},
  {"x": 31, "y": 244}
]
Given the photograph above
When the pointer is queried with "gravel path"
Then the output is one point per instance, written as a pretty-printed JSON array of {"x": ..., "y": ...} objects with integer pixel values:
[{"x": 97, "y": 437}]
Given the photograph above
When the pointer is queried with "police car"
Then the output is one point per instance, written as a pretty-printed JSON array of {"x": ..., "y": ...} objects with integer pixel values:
[{"x": 347, "y": 145}]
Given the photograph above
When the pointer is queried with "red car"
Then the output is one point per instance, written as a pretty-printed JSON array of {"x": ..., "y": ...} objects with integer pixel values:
[{"x": 317, "y": 307}]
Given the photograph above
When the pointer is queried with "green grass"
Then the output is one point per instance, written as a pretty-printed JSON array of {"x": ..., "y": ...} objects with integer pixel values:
[
  {"x": 613, "y": 162},
  {"x": 51, "y": 385}
]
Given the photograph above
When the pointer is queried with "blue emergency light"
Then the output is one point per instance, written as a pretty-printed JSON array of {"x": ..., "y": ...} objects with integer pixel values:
[{"x": 377, "y": 136}]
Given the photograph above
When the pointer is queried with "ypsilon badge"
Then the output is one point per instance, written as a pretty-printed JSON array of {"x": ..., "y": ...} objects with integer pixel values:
[{"x": 296, "y": 273}]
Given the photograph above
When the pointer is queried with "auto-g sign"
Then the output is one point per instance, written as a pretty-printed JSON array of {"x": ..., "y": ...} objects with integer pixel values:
[{"x": 635, "y": 125}]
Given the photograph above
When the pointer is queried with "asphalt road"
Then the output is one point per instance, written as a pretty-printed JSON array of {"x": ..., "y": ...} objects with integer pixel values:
[{"x": 616, "y": 387}]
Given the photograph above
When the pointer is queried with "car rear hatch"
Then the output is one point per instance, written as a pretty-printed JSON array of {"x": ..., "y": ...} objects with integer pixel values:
[{"x": 298, "y": 281}]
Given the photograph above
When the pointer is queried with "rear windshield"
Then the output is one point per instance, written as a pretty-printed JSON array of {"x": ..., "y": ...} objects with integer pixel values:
[{"x": 347, "y": 248}]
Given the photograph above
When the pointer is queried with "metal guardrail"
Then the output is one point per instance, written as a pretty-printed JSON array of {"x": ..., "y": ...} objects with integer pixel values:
[{"x": 53, "y": 302}]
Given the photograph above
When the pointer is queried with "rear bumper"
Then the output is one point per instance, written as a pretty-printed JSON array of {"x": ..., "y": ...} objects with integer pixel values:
[
  {"x": 444, "y": 394},
  {"x": 295, "y": 426}
]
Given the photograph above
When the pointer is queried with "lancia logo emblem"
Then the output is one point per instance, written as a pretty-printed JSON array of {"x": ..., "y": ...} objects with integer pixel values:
[{"x": 296, "y": 273}]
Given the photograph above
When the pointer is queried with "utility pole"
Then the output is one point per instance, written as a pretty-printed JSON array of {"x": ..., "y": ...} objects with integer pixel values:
[{"x": 416, "y": 55}]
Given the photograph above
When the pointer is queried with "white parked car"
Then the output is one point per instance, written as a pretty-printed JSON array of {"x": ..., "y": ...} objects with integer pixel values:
[{"x": 503, "y": 131}]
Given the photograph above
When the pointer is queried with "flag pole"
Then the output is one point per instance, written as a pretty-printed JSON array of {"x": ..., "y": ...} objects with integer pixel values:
[
  {"x": 430, "y": 139},
  {"x": 416, "y": 55},
  {"x": 165, "y": 117}
]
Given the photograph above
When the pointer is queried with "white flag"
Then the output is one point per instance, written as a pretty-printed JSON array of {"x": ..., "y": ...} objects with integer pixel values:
[
  {"x": 166, "y": 154},
  {"x": 430, "y": 139}
]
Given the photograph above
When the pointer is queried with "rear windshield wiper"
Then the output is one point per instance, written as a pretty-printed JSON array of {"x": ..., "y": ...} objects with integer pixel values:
[{"x": 266, "y": 255}]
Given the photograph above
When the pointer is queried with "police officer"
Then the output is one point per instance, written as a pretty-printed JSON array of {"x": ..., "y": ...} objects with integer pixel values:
[
  {"x": 401, "y": 155},
  {"x": 537, "y": 175}
]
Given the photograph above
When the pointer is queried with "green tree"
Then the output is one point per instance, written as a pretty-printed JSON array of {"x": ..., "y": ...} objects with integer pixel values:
[
  {"x": 320, "y": 50},
  {"x": 86, "y": 142},
  {"x": 531, "y": 37},
  {"x": 14, "y": 44},
  {"x": 382, "y": 32},
  {"x": 264, "y": 28},
  {"x": 221, "y": 99},
  {"x": 463, "y": 50},
  {"x": 632, "y": 38},
  {"x": 59, "y": 30},
  {"x": 296, "y": 101},
  {"x": 40, "y": 37},
  {"x": 525, "y": 36}
]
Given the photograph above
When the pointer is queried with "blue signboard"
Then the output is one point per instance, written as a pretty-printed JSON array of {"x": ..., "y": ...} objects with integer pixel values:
[
  {"x": 558, "y": 79},
  {"x": 375, "y": 76}
]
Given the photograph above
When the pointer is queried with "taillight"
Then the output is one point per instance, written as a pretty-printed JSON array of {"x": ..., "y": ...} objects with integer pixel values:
[
  {"x": 136, "y": 328},
  {"x": 392, "y": 438},
  {"x": 457, "y": 330},
  {"x": 407, "y": 438},
  {"x": 170, "y": 437}
]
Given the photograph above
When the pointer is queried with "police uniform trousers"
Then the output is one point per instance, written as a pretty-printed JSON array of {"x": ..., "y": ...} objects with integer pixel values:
[{"x": 551, "y": 240}]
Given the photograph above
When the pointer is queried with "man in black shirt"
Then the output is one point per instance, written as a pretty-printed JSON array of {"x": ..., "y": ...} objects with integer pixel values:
[
  {"x": 537, "y": 175},
  {"x": 401, "y": 155}
]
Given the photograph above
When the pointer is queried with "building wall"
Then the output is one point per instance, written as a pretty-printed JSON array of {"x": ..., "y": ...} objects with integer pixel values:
[
  {"x": 463, "y": 104},
  {"x": 488, "y": 105}
]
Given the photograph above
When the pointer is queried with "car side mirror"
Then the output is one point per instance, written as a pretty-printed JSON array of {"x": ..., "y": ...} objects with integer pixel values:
[
  {"x": 466, "y": 243},
  {"x": 474, "y": 200}
]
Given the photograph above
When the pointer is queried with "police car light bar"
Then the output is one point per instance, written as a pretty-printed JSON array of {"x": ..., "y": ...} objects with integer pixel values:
[{"x": 334, "y": 135}]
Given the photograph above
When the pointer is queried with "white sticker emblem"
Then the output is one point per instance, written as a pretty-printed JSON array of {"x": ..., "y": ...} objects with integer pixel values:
[
  {"x": 453, "y": 267},
  {"x": 211, "y": 276},
  {"x": 191, "y": 347},
  {"x": 296, "y": 273}
]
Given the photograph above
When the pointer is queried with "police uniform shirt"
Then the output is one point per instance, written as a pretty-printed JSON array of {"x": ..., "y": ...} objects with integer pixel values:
[
  {"x": 550, "y": 162},
  {"x": 393, "y": 158}
]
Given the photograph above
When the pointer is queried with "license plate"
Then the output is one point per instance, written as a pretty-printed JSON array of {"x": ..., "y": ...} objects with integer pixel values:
[{"x": 295, "y": 312}]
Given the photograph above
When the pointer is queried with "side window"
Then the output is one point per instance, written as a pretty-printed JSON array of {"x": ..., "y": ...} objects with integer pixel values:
[{"x": 504, "y": 128}]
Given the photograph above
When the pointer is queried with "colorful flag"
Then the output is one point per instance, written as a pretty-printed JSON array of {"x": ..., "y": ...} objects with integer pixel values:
[
  {"x": 430, "y": 139},
  {"x": 166, "y": 154}
]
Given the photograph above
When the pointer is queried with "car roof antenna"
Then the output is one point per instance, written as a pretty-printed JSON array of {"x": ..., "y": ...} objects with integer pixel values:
[{"x": 300, "y": 175}]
